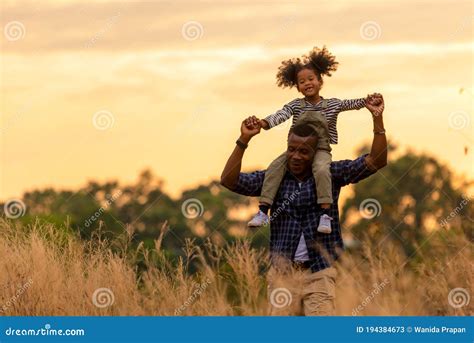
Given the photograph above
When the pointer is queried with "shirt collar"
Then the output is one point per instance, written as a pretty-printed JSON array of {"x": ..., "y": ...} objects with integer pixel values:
[{"x": 291, "y": 176}]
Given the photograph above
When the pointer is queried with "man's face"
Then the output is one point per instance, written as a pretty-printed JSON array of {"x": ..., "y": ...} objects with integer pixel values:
[{"x": 300, "y": 154}]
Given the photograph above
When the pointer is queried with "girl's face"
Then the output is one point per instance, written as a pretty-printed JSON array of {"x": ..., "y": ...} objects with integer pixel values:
[{"x": 308, "y": 82}]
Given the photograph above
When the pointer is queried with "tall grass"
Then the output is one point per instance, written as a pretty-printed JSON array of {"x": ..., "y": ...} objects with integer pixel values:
[{"x": 44, "y": 271}]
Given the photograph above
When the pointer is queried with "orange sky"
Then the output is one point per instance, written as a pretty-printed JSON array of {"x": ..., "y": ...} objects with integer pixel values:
[{"x": 169, "y": 82}]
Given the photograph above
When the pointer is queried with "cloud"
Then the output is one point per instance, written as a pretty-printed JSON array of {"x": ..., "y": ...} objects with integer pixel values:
[
  {"x": 156, "y": 26},
  {"x": 131, "y": 59}
]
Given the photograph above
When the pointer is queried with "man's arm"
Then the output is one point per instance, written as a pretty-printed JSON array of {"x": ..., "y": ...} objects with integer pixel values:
[
  {"x": 352, "y": 171},
  {"x": 377, "y": 158},
  {"x": 230, "y": 175}
]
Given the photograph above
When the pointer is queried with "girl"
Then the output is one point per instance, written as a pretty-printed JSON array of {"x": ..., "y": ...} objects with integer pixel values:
[{"x": 306, "y": 75}]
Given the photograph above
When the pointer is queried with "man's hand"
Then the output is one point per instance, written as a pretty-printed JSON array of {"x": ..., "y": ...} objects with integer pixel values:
[
  {"x": 249, "y": 128},
  {"x": 230, "y": 175},
  {"x": 375, "y": 104}
]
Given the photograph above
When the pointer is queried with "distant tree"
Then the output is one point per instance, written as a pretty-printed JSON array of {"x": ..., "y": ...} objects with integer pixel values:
[
  {"x": 141, "y": 207},
  {"x": 406, "y": 201},
  {"x": 403, "y": 203}
]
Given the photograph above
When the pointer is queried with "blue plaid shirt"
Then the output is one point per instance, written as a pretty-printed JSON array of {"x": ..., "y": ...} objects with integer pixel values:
[{"x": 295, "y": 211}]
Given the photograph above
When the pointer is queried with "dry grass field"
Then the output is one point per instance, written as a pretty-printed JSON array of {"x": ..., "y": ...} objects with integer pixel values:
[{"x": 44, "y": 271}]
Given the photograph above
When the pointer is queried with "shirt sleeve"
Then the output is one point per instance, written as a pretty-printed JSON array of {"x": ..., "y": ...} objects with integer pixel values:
[
  {"x": 280, "y": 116},
  {"x": 351, "y": 104},
  {"x": 250, "y": 184},
  {"x": 350, "y": 171}
]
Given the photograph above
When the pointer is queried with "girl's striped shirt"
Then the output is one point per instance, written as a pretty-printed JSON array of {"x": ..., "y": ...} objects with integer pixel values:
[{"x": 334, "y": 107}]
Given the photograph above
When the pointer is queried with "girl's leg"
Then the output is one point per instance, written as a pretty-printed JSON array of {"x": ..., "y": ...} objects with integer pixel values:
[
  {"x": 322, "y": 177},
  {"x": 273, "y": 177}
]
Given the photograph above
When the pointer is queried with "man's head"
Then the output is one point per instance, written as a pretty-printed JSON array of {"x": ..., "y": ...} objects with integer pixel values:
[{"x": 302, "y": 143}]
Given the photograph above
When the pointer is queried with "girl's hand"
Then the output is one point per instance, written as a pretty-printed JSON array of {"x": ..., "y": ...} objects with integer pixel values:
[
  {"x": 370, "y": 98},
  {"x": 250, "y": 127},
  {"x": 376, "y": 99},
  {"x": 264, "y": 124},
  {"x": 252, "y": 122},
  {"x": 375, "y": 104}
]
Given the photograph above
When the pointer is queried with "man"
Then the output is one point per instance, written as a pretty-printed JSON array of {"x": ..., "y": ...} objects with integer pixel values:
[{"x": 302, "y": 278}]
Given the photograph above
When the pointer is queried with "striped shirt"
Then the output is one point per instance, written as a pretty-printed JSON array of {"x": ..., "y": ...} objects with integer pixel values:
[{"x": 334, "y": 106}]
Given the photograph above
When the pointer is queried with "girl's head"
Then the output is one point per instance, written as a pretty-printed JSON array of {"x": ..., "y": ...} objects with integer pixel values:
[{"x": 306, "y": 73}]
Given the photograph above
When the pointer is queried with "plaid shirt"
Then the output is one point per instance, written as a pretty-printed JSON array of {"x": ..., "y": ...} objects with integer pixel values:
[{"x": 295, "y": 211}]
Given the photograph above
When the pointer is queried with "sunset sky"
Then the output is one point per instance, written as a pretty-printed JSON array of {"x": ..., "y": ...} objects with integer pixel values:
[{"x": 103, "y": 89}]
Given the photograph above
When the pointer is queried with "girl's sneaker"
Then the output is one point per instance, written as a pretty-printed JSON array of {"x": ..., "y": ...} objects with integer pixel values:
[
  {"x": 324, "y": 224},
  {"x": 260, "y": 219}
]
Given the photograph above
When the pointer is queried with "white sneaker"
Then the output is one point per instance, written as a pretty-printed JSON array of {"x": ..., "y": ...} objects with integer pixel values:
[
  {"x": 260, "y": 219},
  {"x": 324, "y": 224}
]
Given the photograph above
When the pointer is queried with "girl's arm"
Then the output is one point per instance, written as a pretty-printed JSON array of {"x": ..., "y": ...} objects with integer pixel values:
[
  {"x": 352, "y": 104},
  {"x": 278, "y": 117}
]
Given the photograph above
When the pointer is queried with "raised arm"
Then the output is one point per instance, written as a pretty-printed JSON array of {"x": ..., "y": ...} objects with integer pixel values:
[
  {"x": 278, "y": 117},
  {"x": 230, "y": 175},
  {"x": 377, "y": 158},
  {"x": 352, "y": 104}
]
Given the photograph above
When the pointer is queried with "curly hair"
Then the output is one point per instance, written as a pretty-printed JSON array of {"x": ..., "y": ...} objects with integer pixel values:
[
  {"x": 319, "y": 60},
  {"x": 286, "y": 76}
]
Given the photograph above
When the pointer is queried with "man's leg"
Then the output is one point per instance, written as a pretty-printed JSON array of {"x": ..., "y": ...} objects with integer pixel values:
[
  {"x": 319, "y": 293},
  {"x": 284, "y": 293}
]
